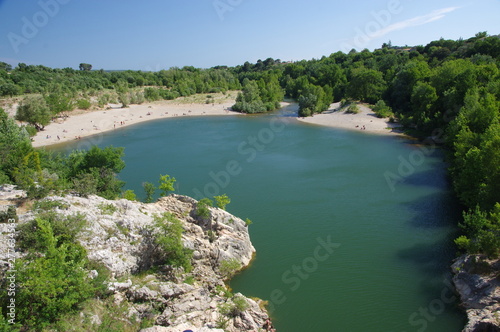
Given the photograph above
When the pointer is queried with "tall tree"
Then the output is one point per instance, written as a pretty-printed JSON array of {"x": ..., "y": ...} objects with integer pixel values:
[
  {"x": 85, "y": 66},
  {"x": 35, "y": 111}
]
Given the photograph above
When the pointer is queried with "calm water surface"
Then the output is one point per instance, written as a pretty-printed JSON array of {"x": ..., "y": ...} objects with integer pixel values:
[{"x": 338, "y": 249}]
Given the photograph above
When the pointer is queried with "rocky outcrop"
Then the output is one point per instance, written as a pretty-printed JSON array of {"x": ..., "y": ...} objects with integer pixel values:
[
  {"x": 477, "y": 280},
  {"x": 119, "y": 234}
]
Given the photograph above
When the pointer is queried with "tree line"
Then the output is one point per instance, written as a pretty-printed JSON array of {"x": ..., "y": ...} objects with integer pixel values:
[{"x": 450, "y": 86}]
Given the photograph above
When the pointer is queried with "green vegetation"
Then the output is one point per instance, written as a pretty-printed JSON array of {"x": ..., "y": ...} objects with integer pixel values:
[
  {"x": 168, "y": 239},
  {"x": 221, "y": 201},
  {"x": 9, "y": 214},
  {"x": 229, "y": 267},
  {"x": 202, "y": 208},
  {"x": 53, "y": 277},
  {"x": 149, "y": 189},
  {"x": 107, "y": 208},
  {"x": 83, "y": 104},
  {"x": 166, "y": 184},
  {"x": 35, "y": 111}
]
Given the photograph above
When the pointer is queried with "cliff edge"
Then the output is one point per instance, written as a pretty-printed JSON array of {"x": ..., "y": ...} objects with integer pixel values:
[
  {"x": 118, "y": 235},
  {"x": 477, "y": 280}
]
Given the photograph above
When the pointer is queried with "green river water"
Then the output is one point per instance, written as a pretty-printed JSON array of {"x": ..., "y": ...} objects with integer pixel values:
[{"x": 353, "y": 231}]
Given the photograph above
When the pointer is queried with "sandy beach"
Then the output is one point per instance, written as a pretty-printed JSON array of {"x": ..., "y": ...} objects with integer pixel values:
[
  {"x": 84, "y": 124},
  {"x": 365, "y": 120},
  {"x": 80, "y": 124}
]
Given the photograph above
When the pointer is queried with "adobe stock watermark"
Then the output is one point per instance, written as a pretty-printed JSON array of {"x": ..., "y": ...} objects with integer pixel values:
[
  {"x": 30, "y": 27},
  {"x": 296, "y": 274},
  {"x": 223, "y": 6},
  {"x": 373, "y": 29},
  {"x": 249, "y": 149},
  {"x": 11, "y": 272},
  {"x": 427, "y": 315}
]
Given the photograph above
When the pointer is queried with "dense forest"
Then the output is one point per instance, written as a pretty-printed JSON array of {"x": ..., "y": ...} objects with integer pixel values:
[{"x": 448, "y": 90}]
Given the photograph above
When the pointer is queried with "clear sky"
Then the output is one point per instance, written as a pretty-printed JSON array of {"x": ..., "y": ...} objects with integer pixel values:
[{"x": 159, "y": 34}]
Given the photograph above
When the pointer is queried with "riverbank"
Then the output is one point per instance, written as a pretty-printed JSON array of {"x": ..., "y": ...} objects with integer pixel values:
[
  {"x": 83, "y": 124},
  {"x": 365, "y": 120}
]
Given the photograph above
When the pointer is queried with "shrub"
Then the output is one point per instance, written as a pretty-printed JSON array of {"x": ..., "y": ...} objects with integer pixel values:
[
  {"x": 129, "y": 195},
  {"x": 202, "y": 208},
  {"x": 152, "y": 94},
  {"x": 221, "y": 201},
  {"x": 31, "y": 130},
  {"x": 382, "y": 110},
  {"x": 229, "y": 267},
  {"x": 83, "y": 104},
  {"x": 169, "y": 240},
  {"x": 65, "y": 229},
  {"x": 149, "y": 189},
  {"x": 52, "y": 284},
  {"x": 166, "y": 184},
  {"x": 124, "y": 99},
  {"x": 47, "y": 205},
  {"x": 107, "y": 208},
  {"x": 9, "y": 214},
  {"x": 103, "y": 100},
  {"x": 352, "y": 109}
]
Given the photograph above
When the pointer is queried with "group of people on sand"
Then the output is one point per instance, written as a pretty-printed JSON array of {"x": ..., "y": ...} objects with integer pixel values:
[{"x": 362, "y": 128}]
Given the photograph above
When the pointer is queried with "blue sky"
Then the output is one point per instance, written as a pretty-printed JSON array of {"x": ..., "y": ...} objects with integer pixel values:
[{"x": 159, "y": 34}]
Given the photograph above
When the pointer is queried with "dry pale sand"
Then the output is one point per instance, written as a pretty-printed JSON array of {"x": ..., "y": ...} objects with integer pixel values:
[
  {"x": 96, "y": 122},
  {"x": 366, "y": 118}
]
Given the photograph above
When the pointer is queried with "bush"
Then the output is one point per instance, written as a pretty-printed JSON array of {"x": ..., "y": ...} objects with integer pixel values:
[
  {"x": 65, "y": 229},
  {"x": 221, "y": 201},
  {"x": 9, "y": 214},
  {"x": 31, "y": 130},
  {"x": 103, "y": 100},
  {"x": 382, "y": 110},
  {"x": 169, "y": 240},
  {"x": 54, "y": 283},
  {"x": 352, "y": 109},
  {"x": 124, "y": 99},
  {"x": 229, "y": 267},
  {"x": 137, "y": 98},
  {"x": 129, "y": 195},
  {"x": 47, "y": 205},
  {"x": 107, "y": 208},
  {"x": 202, "y": 208},
  {"x": 83, "y": 104},
  {"x": 152, "y": 94}
]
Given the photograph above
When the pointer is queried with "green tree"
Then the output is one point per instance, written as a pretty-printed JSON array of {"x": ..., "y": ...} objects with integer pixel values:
[
  {"x": 85, "y": 67},
  {"x": 59, "y": 103},
  {"x": 166, "y": 184},
  {"x": 52, "y": 284},
  {"x": 307, "y": 104},
  {"x": 222, "y": 201},
  {"x": 169, "y": 241},
  {"x": 149, "y": 189},
  {"x": 366, "y": 85},
  {"x": 96, "y": 169},
  {"x": 423, "y": 98},
  {"x": 35, "y": 111},
  {"x": 14, "y": 146}
]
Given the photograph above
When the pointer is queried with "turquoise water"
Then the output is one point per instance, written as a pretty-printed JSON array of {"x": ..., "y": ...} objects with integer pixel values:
[{"x": 338, "y": 247}]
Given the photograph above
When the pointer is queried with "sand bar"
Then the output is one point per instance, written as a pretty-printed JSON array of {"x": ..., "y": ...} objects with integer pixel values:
[
  {"x": 365, "y": 120},
  {"x": 99, "y": 121}
]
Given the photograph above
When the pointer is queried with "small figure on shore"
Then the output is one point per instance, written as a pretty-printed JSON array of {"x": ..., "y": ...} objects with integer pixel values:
[{"x": 58, "y": 138}]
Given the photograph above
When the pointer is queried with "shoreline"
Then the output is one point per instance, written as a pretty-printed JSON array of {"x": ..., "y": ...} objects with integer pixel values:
[
  {"x": 83, "y": 124},
  {"x": 95, "y": 122},
  {"x": 365, "y": 121}
]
